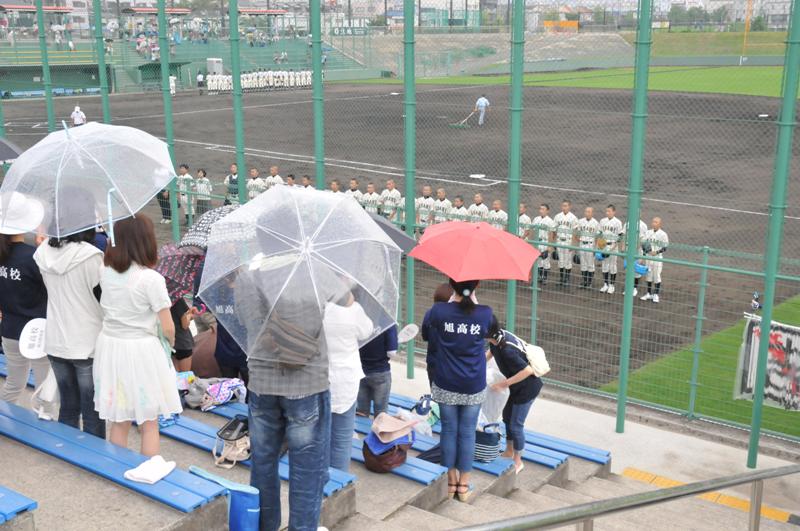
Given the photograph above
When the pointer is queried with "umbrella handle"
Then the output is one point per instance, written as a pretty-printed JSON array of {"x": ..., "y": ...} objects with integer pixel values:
[{"x": 110, "y": 218}]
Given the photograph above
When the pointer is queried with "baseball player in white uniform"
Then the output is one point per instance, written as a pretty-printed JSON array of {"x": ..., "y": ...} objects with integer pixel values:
[
  {"x": 477, "y": 210},
  {"x": 459, "y": 212},
  {"x": 185, "y": 183},
  {"x": 588, "y": 230},
  {"x": 564, "y": 234},
  {"x": 441, "y": 206},
  {"x": 543, "y": 227},
  {"x": 624, "y": 241},
  {"x": 524, "y": 226},
  {"x": 353, "y": 191},
  {"x": 654, "y": 243},
  {"x": 273, "y": 178},
  {"x": 390, "y": 200},
  {"x": 611, "y": 232},
  {"x": 371, "y": 200},
  {"x": 481, "y": 106},
  {"x": 424, "y": 206},
  {"x": 255, "y": 185},
  {"x": 498, "y": 218}
]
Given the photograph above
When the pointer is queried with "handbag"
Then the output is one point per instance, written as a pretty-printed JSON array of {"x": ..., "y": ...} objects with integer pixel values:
[
  {"x": 235, "y": 439},
  {"x": 487, "y": 443},
  {"x": 383, "y": 457}
]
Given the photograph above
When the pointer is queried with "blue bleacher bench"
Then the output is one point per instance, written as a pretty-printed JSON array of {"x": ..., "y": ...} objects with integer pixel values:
[
  {"x": 204, "y": 436},
  {"x": 180, "y": 490},
  {"x": 13, "y": 503},
  {"x": 533, "y": 439}
]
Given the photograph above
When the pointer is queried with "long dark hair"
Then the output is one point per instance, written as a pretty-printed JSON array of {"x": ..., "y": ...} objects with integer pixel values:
[
  {"x": 464, "y": 290},
  {"x": 5, "y": 247},
  {"x": 85, "y": 236}
]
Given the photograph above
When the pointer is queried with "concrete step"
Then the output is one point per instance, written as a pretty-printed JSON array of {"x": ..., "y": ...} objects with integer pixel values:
[
  {"x": 360, "y": 522},
  {"x": 413, "y": 518},
  {"x": 580, "y": 469},
  {"x": 466, "y": 513},
  {"x": 534, "y": 476}
]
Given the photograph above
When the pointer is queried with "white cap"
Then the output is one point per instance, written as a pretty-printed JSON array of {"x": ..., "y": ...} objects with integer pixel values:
[{"x": 19, "y": 214}]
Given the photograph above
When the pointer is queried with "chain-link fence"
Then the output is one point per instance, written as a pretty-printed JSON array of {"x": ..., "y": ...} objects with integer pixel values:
[{"x": 710, "y": 144}]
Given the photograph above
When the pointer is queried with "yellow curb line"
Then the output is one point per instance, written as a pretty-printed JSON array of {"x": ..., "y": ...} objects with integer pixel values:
[{"x": 713, "y": 497}]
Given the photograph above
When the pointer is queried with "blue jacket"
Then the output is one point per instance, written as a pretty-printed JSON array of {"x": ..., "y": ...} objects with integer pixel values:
[{"x": 374, "y": 355}]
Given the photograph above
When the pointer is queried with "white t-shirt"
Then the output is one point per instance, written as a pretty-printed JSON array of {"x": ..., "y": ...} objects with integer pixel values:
[
  {"x": 78, "y": 118},
  {"x": 345, "y": 327},
  {"x": 131, "y": 302},
  {"x": 482, "y": 103}
]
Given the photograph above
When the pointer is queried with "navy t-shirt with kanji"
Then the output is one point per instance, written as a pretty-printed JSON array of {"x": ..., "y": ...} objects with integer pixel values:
[
  {"x": 460, "y": 354},
  {"x": 23, "y": 295}
]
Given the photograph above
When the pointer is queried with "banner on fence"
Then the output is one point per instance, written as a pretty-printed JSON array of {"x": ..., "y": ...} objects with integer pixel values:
[{"x": 782, "y": 387}]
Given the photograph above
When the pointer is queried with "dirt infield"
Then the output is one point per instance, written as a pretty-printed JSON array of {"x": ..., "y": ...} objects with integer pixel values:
[{"x": 708, "y": 168}]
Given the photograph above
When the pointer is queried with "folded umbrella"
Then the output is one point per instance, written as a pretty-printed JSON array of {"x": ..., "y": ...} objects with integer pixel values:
[
  {"x": 403, "y": 240},
  {"x": 475, "y": 251}
]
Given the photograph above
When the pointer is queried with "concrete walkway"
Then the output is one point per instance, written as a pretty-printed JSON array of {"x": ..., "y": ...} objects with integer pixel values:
[{"x": 665, "y": 453}]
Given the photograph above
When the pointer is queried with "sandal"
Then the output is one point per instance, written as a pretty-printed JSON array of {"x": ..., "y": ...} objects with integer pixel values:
[
  {"x": 451, "y": 490},
  {"x": 466, "y": 494}
]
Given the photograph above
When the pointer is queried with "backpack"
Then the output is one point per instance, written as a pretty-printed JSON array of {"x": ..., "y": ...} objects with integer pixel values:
[{"x": 535, "y": 354}]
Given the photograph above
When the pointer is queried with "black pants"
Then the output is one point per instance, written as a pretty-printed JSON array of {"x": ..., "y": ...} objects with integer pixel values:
[
  {"x": 163, "y": 202},
  {"x": 235, "y": 372}
]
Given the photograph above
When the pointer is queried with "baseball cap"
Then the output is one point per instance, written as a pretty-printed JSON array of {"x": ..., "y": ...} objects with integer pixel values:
[
  {"x": 19, "y": 214},
  {"x": 389, "y": 428},
  {"x": 378, "y": 447}
]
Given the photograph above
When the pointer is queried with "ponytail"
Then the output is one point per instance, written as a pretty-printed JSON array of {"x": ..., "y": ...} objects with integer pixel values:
[
  {"x": 5, "y": 247},
  {"x": 465, "y": 290}
]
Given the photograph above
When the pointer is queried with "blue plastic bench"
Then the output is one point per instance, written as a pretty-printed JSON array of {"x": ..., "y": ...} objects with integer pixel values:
[
  {"x": 203, "y": 436},
  {"x": 532, "y": 438},
  {"x": 414, "y": 469},
  {"x": 13, "y": 503},
  {"x": 180, "y": 490}
]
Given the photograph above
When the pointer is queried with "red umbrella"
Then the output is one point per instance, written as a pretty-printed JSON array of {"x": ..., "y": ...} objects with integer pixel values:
[{"x": 475, "y": 251}]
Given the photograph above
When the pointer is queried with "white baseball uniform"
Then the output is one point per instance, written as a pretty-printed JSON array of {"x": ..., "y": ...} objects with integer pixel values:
[
  {"x": 478, "y": 212},
  {"x": 565, "y": 225},
  {"x": 255, "y": 187},
  {"x": 498, "y": 219},
  {"x": 658, "y": 241},
  {"x": 459, "y": 213},
  {"x": 272, "y": 180},
  {"x": 424, "y": 206},
  {"x": 642, "y": 232},
  {"x": 371, "y": 201},
  {"x": 441, "y": 209},
  {"x": 185, "y": 185},
  {"x": 524, "y": 225},
  {"x": 610, "y": 231},
  {"x": 587, "y": 232},
  {"x": 542, "y": 227},
  {"x": 355, "y": 194},
  {"x": 390, "y": 200}
]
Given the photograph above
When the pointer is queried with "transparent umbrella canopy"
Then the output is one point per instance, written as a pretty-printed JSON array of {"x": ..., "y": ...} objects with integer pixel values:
[
  {"x": 274, "y": 264},
  {"x": 87, "y": 175}
]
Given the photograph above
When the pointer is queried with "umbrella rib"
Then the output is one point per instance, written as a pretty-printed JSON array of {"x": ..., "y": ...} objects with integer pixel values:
[
  {"x": 279, "y": 236},
  {"x": 58, "y": 181},
  {"x": 108, "y": 176}
]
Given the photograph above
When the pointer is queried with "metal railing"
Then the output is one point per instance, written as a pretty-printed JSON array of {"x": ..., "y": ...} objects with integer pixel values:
[{"x": 584, "y": 514}]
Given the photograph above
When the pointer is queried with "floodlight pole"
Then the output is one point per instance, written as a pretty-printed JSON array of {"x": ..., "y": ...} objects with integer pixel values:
[
  {"x": 777, "y": 207},
  {"x": 410, "y": 150},
  {"x": 48, "y": 85},
  {"x": 163, "y": 46},
  {"x": 638, "y": 135}
]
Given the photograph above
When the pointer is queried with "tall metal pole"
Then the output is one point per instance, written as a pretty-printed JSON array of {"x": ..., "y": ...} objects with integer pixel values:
[
  {"x": 698, "y": 335},
  {"x": 777, "y": 207},
  {"x": 317, "y": 95},
  {"x": 642, "y": 71},
  {"x": 534, "y": 301},
  {"x": 163, "y": 46},
  {"x": 419, "y": 8},
  {"x": 238, "y": 115},
  {"x": 48, "y": 85},
  {"x": 410, "y": 149},
  {"x": 101, "y": 59},
  {"x": 515, "y": 144}
]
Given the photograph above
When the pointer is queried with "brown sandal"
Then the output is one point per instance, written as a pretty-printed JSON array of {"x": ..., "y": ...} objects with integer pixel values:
[
  {"x": 452, "y": 489},
  {"x": 466, "y": 494}
]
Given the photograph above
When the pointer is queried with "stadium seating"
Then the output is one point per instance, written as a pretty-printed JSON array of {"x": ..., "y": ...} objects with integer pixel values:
[{"x": 12, "y": 504}]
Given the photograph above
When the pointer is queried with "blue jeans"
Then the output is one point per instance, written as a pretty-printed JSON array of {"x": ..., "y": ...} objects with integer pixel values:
[
  {"x": 458, "y": 436},
  {"x": 514, "y": 416},
  {"x": 76, "y": 388},
  {"x": 305, "y": 423},
  {"x": 374, "y": 389},
  {"x": 342, "y": 428}
]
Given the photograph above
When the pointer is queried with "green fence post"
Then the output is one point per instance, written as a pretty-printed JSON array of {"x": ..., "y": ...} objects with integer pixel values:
[
  {"x": 101, "y": 59},
  {"x": 317, "y": 96},
  {"x": 236, "y": 79},
  {"x": 698, "y": 334},
  {"x": 777, "y": 206},
  {"x": 638, "y": 135},
  {"x": 515, "y": 145},
  {"x": 48, "y": 85},
  {"x": 534, "y": 301},
  {"x": 410, "y": 149},
  {"x": 163, "y": 45},
  {"x": 2, "y": 118}
]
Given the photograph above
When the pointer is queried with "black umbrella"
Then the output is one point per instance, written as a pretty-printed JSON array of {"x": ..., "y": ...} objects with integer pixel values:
[
  {"x": 403, "y": 240},
  {"x": 8, "y": 151},
  {"x": 197, "y": 235}
]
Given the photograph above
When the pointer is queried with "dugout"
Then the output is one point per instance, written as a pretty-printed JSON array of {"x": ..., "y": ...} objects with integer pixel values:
[
  {"x": 25, "y": 81},
  {"x": 150, "y": 74}
]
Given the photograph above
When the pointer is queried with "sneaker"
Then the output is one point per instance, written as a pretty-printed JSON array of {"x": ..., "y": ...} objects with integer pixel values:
[
  {"x": 167, "y": 221},
  {"x": 647, "y": 297},
  {"x": 604, "y": 288},
  {"x": 655, "y": 298},
  {"x": 635, "y": 291},
  {"x": 612, "y": 289},
  {"x": 163, "y": 221}
]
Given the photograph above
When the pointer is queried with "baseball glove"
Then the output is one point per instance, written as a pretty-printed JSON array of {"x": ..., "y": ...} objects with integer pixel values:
[
  {"x": 601, "y": 243},
  {"x": 576, "y": 259},
  {"x": 555, "y": 254},
  {"x": 545, "y": 254},
  {"x": 646, "y": 247}
]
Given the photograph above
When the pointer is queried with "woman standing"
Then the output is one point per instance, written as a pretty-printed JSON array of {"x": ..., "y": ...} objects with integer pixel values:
[
  {"x": 345, "y": 325},
  {"x": 509, "y": 353},
  {"x": 459, "y": 381},
  {"x": 71, "y": 269},
  {"x": 23, "y": 295},
  {"x": 133, "y": 371}
]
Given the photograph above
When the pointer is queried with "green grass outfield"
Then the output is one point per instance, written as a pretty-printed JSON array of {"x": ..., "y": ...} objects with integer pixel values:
[
  {"x": 748, "y": 80},
  {"x": 666, "y": 381},
  {"x": 684, "y": 44}
]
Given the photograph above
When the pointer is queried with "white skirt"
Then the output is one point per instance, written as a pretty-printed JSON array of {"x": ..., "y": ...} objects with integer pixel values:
[{"x": 133, "y": 380}]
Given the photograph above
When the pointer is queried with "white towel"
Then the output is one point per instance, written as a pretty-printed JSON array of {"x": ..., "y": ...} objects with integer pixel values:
[{"x": 151, "y": 471}]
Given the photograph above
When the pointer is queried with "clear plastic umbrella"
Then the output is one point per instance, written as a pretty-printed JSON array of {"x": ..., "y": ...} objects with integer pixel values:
[
  {"x": 274, "y": 264},
  {"x": 89, "y": 175}
]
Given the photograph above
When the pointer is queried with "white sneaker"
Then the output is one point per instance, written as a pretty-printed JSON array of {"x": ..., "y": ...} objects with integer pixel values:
[
  {"x": 163, "y": 221},
  {"x": 655, "y": 298},
  {"x": 167, "y": 221},
  {"x": 611, "y": 289},
  {"x": 635, "y": 291},
  {"x": 647, "y": 297},
  {"x": 604, "y": 288}
]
